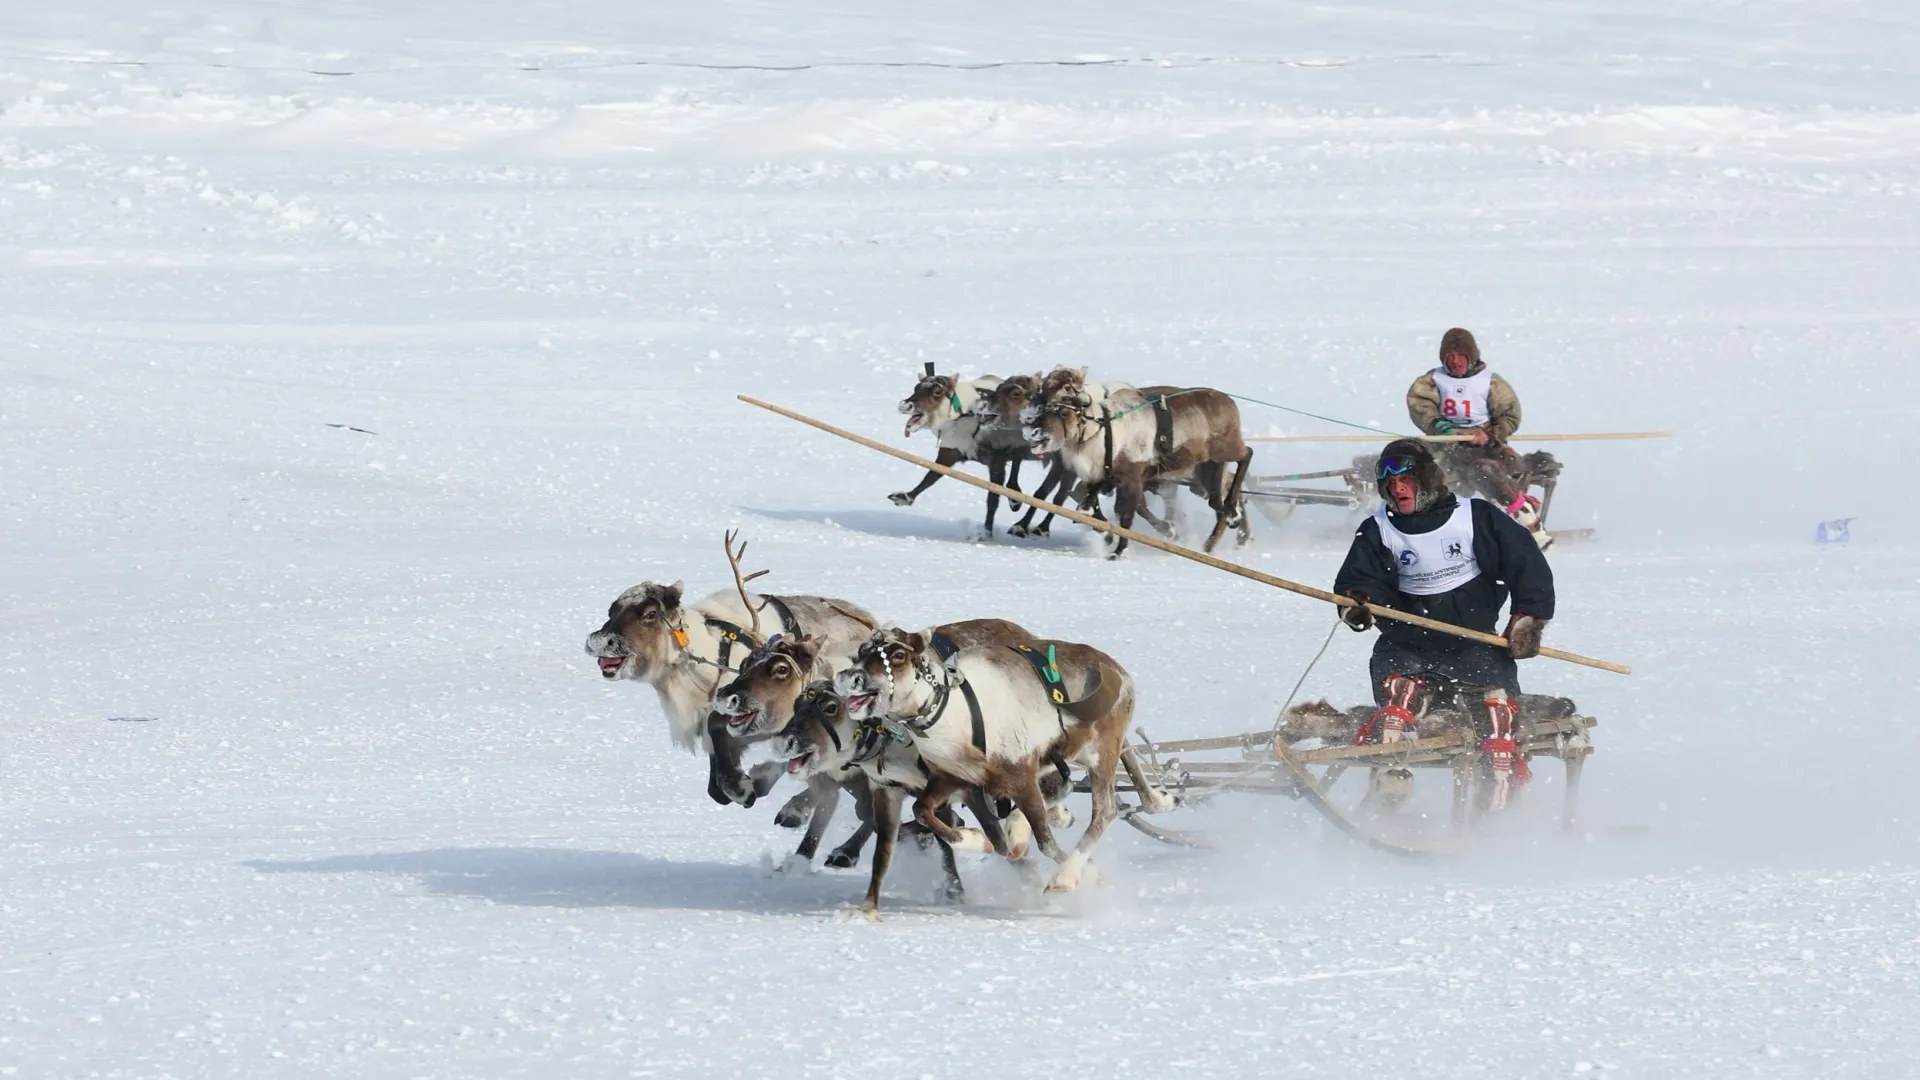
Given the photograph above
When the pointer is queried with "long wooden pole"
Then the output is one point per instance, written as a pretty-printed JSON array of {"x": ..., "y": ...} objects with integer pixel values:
[
  {"x": 1388, "y": 436},
  {"x": 1175, "y": 549}
]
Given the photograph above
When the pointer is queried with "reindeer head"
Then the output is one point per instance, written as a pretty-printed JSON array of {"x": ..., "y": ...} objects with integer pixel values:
[
  {"x": 1002, "y": 405},
  {"x": 760, "y": 699},
  {"x": 932, "y": 405},
  {"x": 1053, "y": 426},
  {"x": 883, "y": 679},
  {"x": 821, "y": 736},
  {"x": 1066, "y": 385},
  {"x": 642, "y": 636}
]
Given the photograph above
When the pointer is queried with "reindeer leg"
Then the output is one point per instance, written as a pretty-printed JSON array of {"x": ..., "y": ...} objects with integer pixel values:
[
  {"x": 953, "y": 891},
  {"x": 795, "y": 811},
  {"x": 1152, "y": 799},
  {"x": 996, "y": 472},
  {"x": 1105, "y": 810},
  {"x": 847, "y": 855},
  {"x": 1051, "y": 487},
  {"x": 886, "y": 826},
  {"x": 826, "y": 796},
  {"x": 1024, "y": 789},
  {"x": 982, "y": 808},
  {"x": 1132, "y": 496},
  {"x": 1237, "y": 499},
  {"x": 947, "y": 456},
  {"x": 937, "y": 792}
]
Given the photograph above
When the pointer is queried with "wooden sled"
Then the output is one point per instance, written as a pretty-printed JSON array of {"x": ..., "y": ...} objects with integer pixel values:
[{"x": 1281, "y": 762}]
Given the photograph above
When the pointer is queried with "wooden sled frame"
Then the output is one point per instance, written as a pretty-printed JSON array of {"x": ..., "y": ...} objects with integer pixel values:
[{"x": 1279, "y": 762}]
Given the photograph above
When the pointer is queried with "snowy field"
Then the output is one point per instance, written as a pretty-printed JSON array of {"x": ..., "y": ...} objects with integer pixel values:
[{"x": 384, "y": 819}]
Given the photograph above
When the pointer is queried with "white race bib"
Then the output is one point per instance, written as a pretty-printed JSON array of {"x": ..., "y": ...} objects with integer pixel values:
[
  {"x": 1434, "y": 562},
  {"x": 1463, "y": 402}
]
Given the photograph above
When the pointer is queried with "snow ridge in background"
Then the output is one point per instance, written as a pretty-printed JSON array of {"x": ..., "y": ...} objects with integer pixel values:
[{"x": 386, "y": 820}]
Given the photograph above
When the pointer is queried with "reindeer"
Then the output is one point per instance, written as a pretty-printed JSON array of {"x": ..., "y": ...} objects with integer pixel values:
[
  {"x": 946, "y": 406},
  {"x": 999, "y": 410},
  {"x": 684, "y": 651},
  {"x": 823, "y": 737},
  {"x": 758, "y": 703},
  {"x": 1133, "y": 440},
  {"x": 1042, "y": 701}
]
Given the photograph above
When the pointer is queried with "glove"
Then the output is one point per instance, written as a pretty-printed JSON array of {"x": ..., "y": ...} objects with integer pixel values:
[
  {"x": 1523, "y": 636},
  {"x": 1357, "y": 618},
  {"x": 1443, "y": 427}
]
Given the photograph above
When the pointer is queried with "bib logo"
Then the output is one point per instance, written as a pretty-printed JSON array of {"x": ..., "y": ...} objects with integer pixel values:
[
  {"x": 1408, "y": 558},
  {"x": 1453, "y": 551}
]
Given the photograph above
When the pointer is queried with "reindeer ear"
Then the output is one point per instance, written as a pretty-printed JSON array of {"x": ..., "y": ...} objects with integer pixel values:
[
  {"x": 914, "y": 644},
  {"x": 670, "y": 594},
  {"x": 929, "y": 369},
  {"x": 805, "y": 651}
]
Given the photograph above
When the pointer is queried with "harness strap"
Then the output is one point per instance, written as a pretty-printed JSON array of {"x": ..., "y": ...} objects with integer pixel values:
[
  {"x": 943, "y": 645},
  {"x": 1162, "y": 427},
  {"x": 1106, "y": 428},
  {"x": 788, "y": 624},
  {"x": 979, "y": 721},
  {"x": 729, "y": 634},
  {"x": 1047, "y": 669}
]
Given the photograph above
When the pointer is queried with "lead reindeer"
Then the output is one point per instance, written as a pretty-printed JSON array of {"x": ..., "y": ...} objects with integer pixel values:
[
  {"x": 1041, "y": 704},
  {"x": 758, "y": 704},
  {"x": 682, "y": 650},
  {"x": 946, "y": 406},
  {"x": 1132, "y": 443}
]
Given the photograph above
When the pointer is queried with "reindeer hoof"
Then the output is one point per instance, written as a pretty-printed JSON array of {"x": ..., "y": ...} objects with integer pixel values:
[
  {"x": 1017, "y": 529},
  {"x": 953, "y": 893},
  {"x": 900, "y": 498},
  {"x": 869, "y": 912},
  {"x": 1042, "y": 531},
  {"x": 1063, "y": 883},
  {"x": 841, "y": 860}
]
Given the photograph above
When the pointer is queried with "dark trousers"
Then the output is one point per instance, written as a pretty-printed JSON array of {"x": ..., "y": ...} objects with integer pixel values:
[{"x": 1455, "y": 676}]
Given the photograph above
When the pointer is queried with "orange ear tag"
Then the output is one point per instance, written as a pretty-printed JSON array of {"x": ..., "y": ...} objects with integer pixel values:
[{"x": 680, "y": 637}]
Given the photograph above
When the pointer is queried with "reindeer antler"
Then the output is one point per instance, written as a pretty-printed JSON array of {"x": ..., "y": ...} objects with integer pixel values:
[{"x": 733, "y": 560}]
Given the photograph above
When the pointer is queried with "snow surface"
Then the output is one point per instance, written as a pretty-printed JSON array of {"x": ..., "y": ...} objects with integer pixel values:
[{"x": 385, "y": 820}]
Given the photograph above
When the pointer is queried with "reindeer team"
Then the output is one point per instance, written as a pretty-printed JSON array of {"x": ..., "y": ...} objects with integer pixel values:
[
  {"x": 982, "y": 712},
  {"x": 1098, "y": 438}
]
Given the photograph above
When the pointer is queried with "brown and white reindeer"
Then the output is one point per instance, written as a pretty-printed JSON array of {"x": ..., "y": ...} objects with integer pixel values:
[
  {"x": 823, "y": 737},
  {"x": 683, "y": 651},
  {"x": 946, "y": 406},
  {"x": 992, "y": 717},
  {"x": 758, "y": 703},
  {"x": 1132, "y": 440}
]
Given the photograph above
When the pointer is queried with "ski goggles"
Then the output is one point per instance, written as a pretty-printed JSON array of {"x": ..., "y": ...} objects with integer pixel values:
[{"x": 1394, "y": 466}]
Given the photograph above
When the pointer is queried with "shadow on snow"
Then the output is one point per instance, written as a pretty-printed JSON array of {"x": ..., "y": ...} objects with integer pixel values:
[
  {"x": 1068, "y": 537},
  {"x": 577, "y": 878}
]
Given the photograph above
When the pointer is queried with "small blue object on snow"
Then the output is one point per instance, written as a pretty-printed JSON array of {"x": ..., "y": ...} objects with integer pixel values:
[{"x": 1831, "y": 532}]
